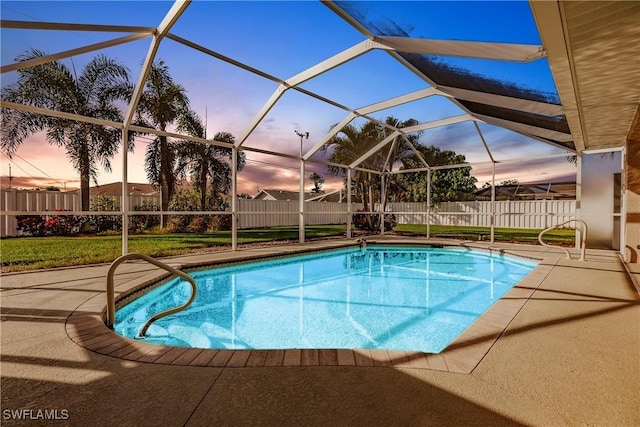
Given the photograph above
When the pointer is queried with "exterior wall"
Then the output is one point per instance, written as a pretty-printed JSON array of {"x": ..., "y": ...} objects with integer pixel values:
[
  {"x": 632, "y": 194},
  {"x": 598, "y": 197}
]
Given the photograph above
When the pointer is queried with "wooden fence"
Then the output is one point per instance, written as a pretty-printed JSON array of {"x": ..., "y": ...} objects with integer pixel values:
[{"x": 535, "y": 214}]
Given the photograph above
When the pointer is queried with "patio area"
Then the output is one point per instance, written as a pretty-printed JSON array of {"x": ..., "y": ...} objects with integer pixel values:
[
  {"x": 569, "y": 356},
  {"x": 549, "y": 87}
]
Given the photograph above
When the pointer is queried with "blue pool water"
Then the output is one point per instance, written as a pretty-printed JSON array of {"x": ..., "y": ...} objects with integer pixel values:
[{"x": 396, "y": 298}]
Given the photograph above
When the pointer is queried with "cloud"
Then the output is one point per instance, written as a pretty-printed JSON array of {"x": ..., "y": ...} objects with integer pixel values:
[
  {"x": 263, "y": 171},
  {"x": 31, "y": 182},
  {"x": 528, "y": 171}
]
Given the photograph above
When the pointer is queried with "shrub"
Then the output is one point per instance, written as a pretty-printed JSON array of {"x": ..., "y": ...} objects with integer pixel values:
[
  {"x": 140, "y": 223},
  {"x": 49, "y": 225},
  {"x": 102, "y": 223},
  {"x": 198, "y": 224},
  {"x": 371, "y": 222},
  {"x": 182, "y": 200},
  {"x": 32, "y": 225},
  {"x": 175, "y": 224},
  {"x": 221, "y": 223},
  {"x": 63, "y": 225},
  {"x": 189, "y": 200}
]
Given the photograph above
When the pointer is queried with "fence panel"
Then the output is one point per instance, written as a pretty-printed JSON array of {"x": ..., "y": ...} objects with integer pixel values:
[
  {"x": 532, "y": 214},
  {"x": 31, "y": 201},
  {"x": 270, "y": 213},
  {"x": 536, "y": 214}
]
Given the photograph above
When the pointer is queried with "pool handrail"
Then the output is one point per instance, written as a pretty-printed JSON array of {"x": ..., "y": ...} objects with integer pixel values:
[
  {"x": 111, "y": 305},
  {"x": 583, "y": 237}
]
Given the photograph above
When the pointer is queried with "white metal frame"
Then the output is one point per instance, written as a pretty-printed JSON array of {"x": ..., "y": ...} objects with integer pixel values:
[{"x": 497, "y": 51}]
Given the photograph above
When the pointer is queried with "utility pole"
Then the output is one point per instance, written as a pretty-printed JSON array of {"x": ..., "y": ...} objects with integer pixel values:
[
  {"x": 10, "y": 177},
  {"x": 302, "y": 135}
]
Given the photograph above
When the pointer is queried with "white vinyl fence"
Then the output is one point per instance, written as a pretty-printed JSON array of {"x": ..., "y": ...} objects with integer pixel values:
[
  {"x": 48, "y": 201},
  {"x": 270, "y": 213},
  {"x": 532, "y": 214},
  {"x": 536, "y": 214}
]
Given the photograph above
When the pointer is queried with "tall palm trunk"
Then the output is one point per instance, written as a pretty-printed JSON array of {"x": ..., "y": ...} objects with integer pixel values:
[
  {"x": 84, "y": 191},
  {"x": 203, "y": 186},
  {"x": 84, "y": 161},
  {"x": 372, "y": 206},
  {"x": 166, "y": 176}
]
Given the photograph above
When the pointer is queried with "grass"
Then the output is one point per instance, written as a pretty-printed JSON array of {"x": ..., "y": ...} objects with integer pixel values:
[
  {"x": 563, "y": 237},
  {"x": 32, "y": 253}
]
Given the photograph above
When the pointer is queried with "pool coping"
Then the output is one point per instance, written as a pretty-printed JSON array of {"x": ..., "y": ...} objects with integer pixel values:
[{"x": 86, "y": 327}]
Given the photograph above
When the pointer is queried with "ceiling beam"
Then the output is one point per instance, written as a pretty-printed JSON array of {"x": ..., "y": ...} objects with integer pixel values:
[
  {"x": 68, "y": 53},
  {"x": 437, "y": 123},
  {"x": 170, "y": 18},
  {"x": 60, "y": 114},
  {"x": 519, "y": 104},
  {"x": 528, "y": 129},
  {"x": 275, "y": 96},
  {"x": 334, "y": 130},
  {"x": 551, "y": 25},
  {"x": 331, "y": 63},
  {"x": 60, "y": 26},
  {"x": 374, "y": 150},
  {"x": 464, "y": 49},
  {"x": 399, "y": 100}
]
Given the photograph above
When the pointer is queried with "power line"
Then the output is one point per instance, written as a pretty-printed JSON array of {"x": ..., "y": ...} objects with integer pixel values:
[
  {"x": 35, "y": 167},
  {"x": 16, "y": 165},
  {"x": 39, "y": 170}
]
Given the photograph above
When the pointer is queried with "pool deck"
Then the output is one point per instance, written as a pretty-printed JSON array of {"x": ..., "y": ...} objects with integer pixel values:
[{"x": 562, "y": 348}]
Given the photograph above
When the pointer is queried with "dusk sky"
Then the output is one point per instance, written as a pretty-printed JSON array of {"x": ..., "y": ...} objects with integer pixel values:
[{"x": 283, "y": 38}]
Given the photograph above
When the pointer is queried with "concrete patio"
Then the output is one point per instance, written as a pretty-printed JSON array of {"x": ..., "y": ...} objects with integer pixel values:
[{"x": 569, "y": 356}]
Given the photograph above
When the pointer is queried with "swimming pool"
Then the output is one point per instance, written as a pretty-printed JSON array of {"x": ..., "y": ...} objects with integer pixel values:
[{"x": 379, "y": 297}]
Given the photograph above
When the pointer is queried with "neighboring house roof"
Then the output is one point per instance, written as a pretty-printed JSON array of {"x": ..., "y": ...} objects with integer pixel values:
[
  {"x": 531, "y": 191},
  {"x": 335, "y": 196},
  {"x": 133, "y": 188},
  {"x": 284, "y": 195}
]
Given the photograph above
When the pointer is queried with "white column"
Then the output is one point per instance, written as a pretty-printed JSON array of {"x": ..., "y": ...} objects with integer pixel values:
[
  {"x": 382, "y": 194},
  {"x": 623, "y": 201},
  {"x": 578, "y": 234},
  {"x": 301, "y": 203},
  {"x": 234, "y": 198},
  {"x": 349, "y": 206},
  {"x": 429, "y": 204},
  {"x": 493, "y": 200}
]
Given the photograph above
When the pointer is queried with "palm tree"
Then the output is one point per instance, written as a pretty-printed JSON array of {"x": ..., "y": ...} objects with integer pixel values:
[
  {"x": 53, "y": 86},
  {"x": 351, "y": 142},
  {"x": 206, "y": 163},
  {"x": 162, "y": 103}
]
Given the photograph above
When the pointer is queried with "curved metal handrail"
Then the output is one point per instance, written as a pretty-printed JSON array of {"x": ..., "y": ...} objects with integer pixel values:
[
  {"x": 583, "y": 240},
  {"x": 111, "y": 305}
]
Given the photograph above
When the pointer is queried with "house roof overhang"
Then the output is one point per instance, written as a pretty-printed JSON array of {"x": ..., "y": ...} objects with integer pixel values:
[{"x": 592, "y": 49}]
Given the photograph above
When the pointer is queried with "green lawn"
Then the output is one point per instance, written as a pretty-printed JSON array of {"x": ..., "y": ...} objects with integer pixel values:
[
  {"x": 31, "y": 253},
  {"x": 563, "y": 237}
]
